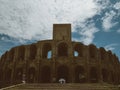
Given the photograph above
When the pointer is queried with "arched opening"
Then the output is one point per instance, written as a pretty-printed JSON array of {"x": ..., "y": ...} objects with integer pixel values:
[
  {"x": 49, "y": 55},
  {"x": 8, "y": 76},
  {"x": 19, "y": 75},
  {"x": 21, "y": 52},
  {"x": 33, "y": 52},
  {"x": 117, "y": 78},
  {"x": 47, "y": 51},
  {"x": 62, "y": 49},
  {"x": 46, "y": 74},
  {"x": 31, "y": 75},
  {"x": 104, "y": 75},
  {"x": 93, "y": 75},
  {"x": 78, "y": 50},
  {"x": 80, "y": 75},
  {"x": 62, "y": 72},
  {"x": 92, "y": 51},
  {"x": 112, "y": 76},
  {"x": 76, "y": 54}
]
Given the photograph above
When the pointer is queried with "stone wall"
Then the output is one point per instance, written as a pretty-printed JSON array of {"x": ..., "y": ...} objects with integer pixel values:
[
  {"x": 49, "y": 60},
  {"x": 73, "y": 61}
]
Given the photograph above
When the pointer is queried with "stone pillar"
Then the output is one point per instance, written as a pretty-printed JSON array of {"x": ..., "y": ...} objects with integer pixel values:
[
  {"x": 25, "y": 62},
  {"x": 100, "y": 77},
  {"x": 86, "y": 54},
  {"x": 54, "y": 54},
  {"x": 70, "y": 50},
  {"x": 38, "y": 58},
  {"x": 4, "y": 68},
  {"x": 72, "y": 73},
  {"x": 14, "y": 66},
  {"x": 71, "y": 60}
]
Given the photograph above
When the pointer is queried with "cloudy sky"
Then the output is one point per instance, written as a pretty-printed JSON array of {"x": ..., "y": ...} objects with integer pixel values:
[{"x": 28, "y": 21}]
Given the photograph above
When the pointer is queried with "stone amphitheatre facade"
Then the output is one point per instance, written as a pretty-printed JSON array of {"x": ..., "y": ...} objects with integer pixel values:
[{"x": 49, "y": 60}]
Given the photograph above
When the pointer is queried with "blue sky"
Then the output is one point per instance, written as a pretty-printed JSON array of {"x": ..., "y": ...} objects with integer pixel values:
[{"x": 28, "y": 21}]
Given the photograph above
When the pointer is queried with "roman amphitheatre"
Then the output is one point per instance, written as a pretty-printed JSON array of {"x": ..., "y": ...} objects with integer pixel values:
[{"x": 46, "y": 62}]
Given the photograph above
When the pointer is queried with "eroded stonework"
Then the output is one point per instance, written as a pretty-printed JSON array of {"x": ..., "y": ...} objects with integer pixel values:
[{"x": 48, "y": 61}]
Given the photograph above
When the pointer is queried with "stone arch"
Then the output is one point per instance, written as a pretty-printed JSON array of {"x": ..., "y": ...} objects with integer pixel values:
[
  {"x": 1, "y": 74},
  {"x": 116, "y": 77},
  {"x": 1, "y": 78},
  {"x": 92, "y": 51},
  {"x": 31, "y": 75},
  {"x": 5, "y": 56},
  {"x": 11, "y": 54},
  {"x": 104, "y": 75},
  {"x": 93, "y": 75},
  {"x": 117, "y": 59},
  {"x": 46, "y": 49},
  {"x": 63, "y": 72},
  {"x": 102, "y": 53},
  {"x": 2, "y": 60},
  {"x": 111, "y": 77},
  {"x": 80, "y": 74},
  {"x": 62, "y": 49},
  {"x": 19, "y": 75},
  {"x": 79, "y": 49},
  {"x": 8, "y": 75},
  {"x": 21, "y": 52},
  {"x": 119, "y": 77},
  {"x": 110, "y": 57},
  {"x": 33, "y": 51},
  {"x": 45, "y": 74}
]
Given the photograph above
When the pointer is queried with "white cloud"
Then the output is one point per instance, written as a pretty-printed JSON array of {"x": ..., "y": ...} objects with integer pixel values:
[
  {"x": 104, "y": 4},
  {"x": 33, "y": 19},
  {"x": 118, "y": 31},
  {"x": 87, "y": 32},
  {"x": 2, "y": 38},
  {"x": 107, "y": 21},
  {"x": 117, "y": 5},
  {"x": 110, "y": 47}
]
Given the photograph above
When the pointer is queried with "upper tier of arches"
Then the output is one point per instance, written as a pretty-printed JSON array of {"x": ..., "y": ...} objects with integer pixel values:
[{"x": 51, "y": 49}]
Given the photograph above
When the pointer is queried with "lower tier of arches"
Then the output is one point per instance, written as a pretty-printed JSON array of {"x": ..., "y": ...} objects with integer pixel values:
[{"x": 78, "y": 74}]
